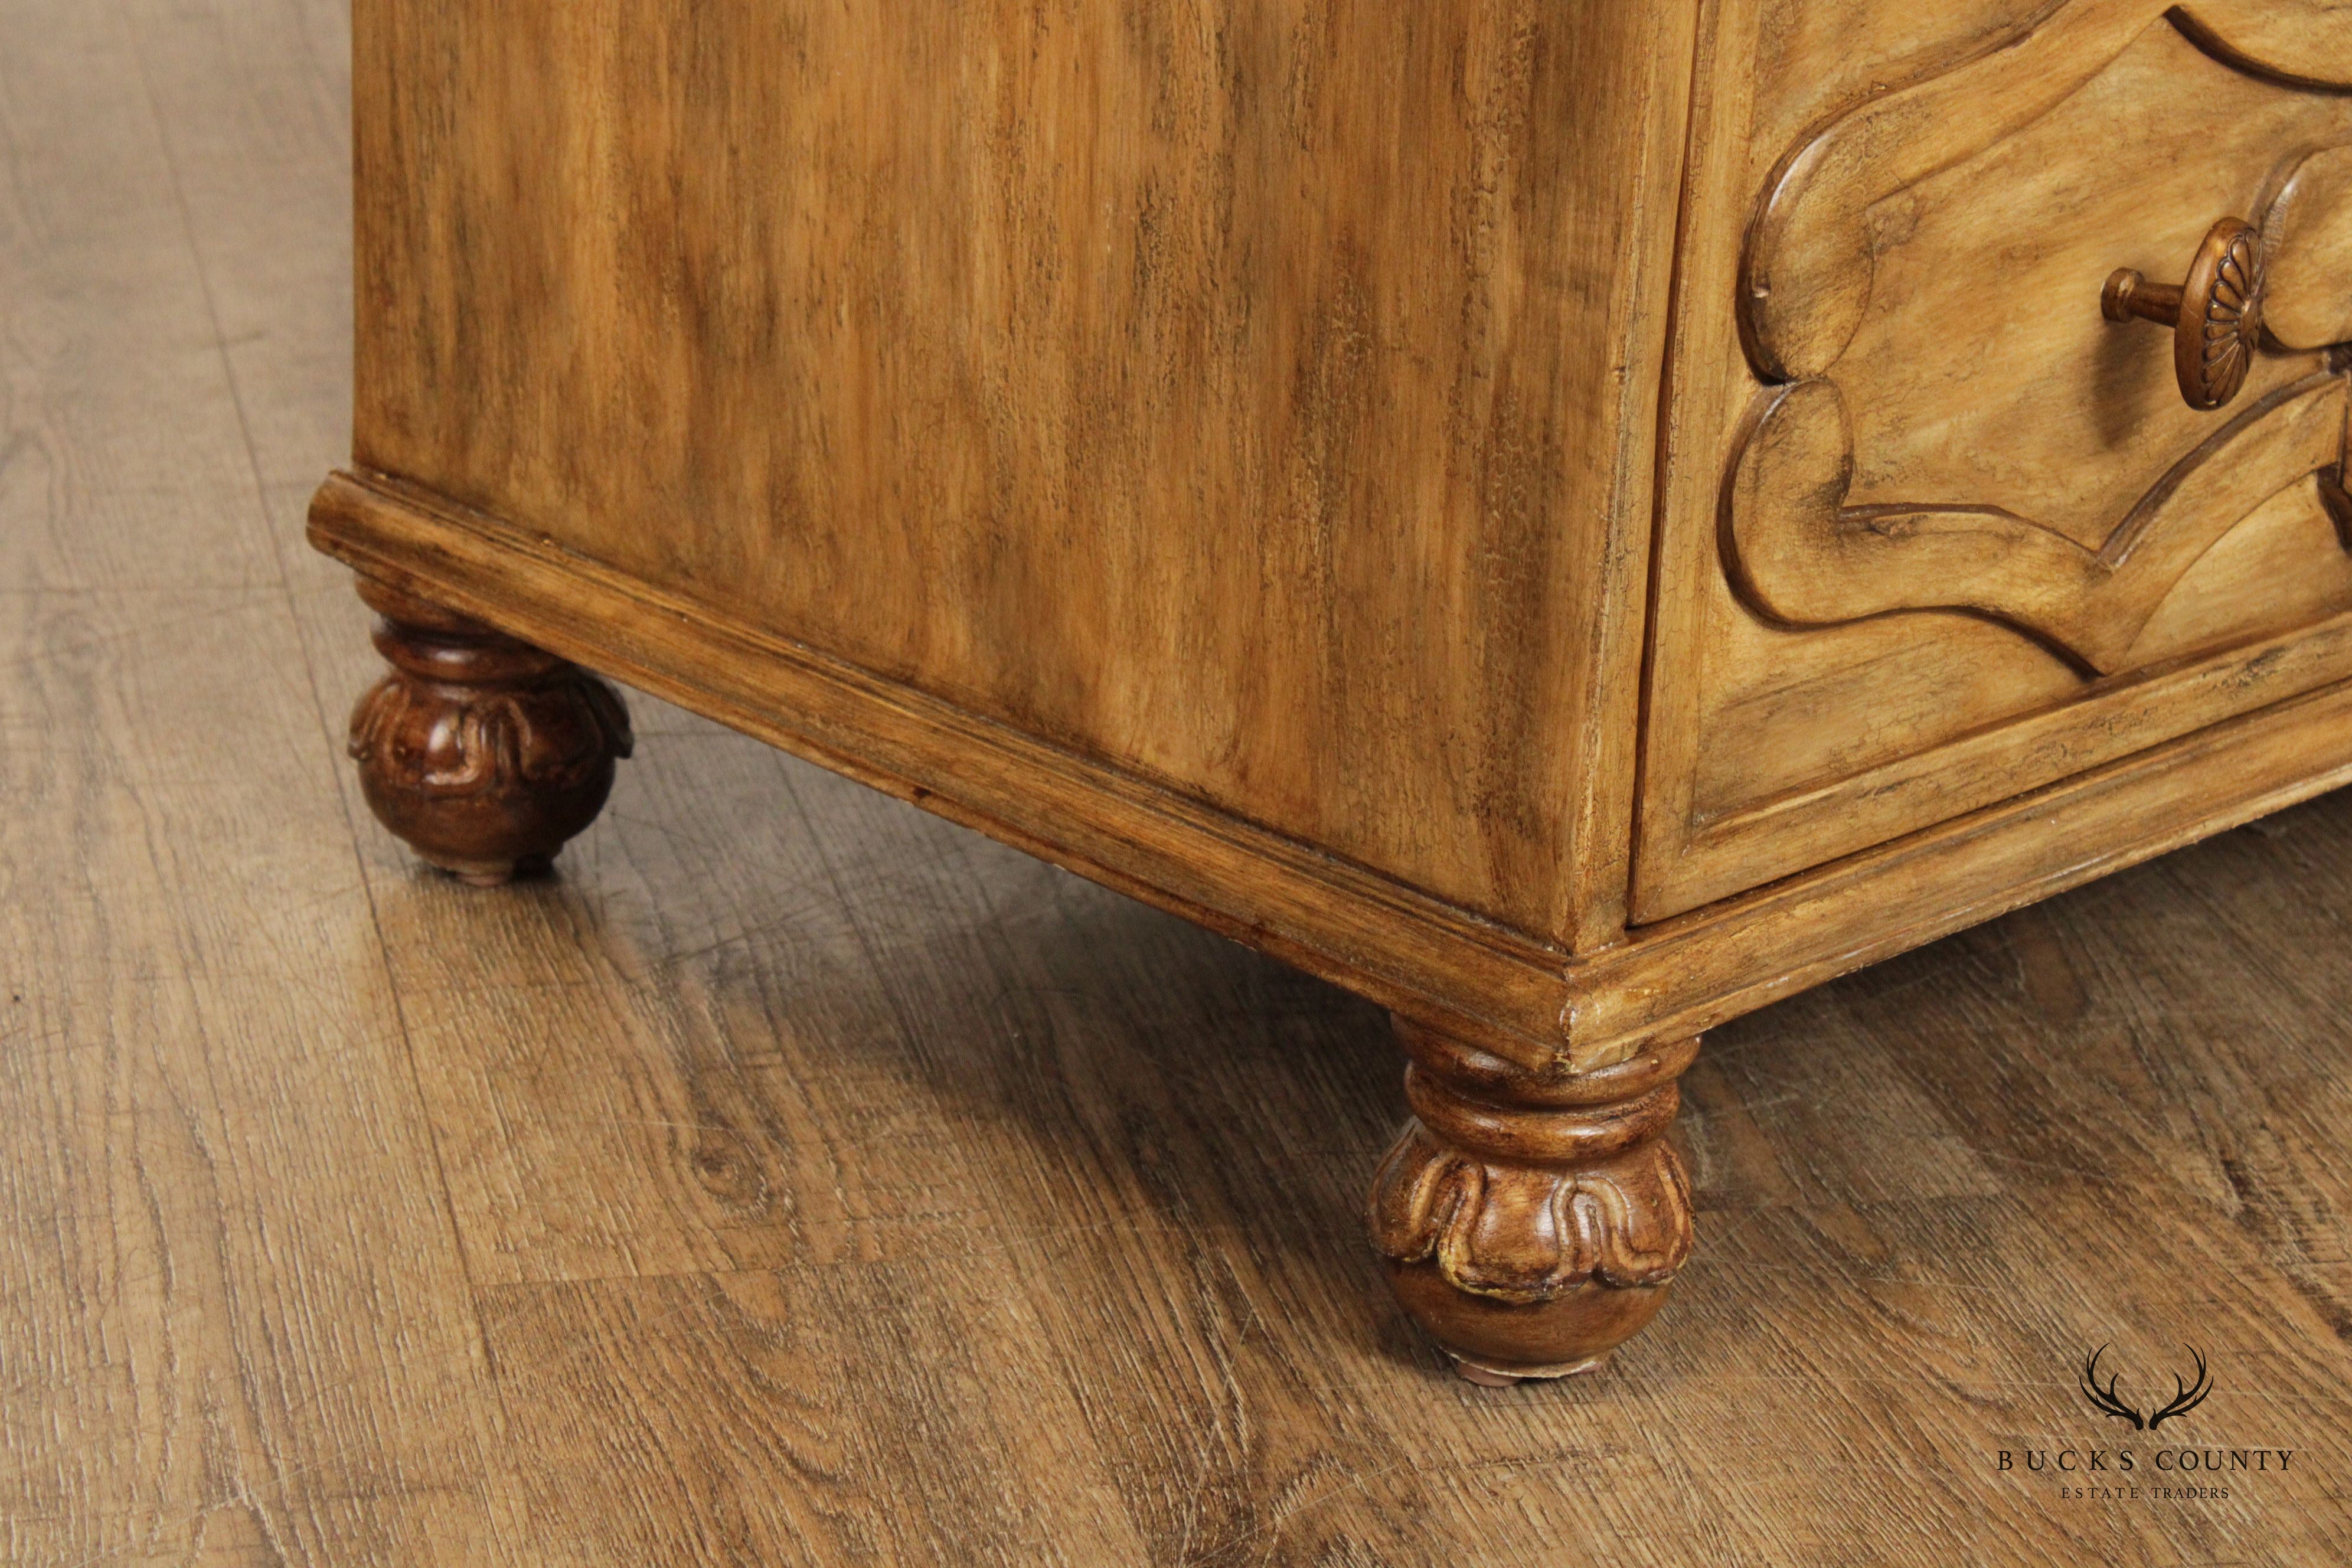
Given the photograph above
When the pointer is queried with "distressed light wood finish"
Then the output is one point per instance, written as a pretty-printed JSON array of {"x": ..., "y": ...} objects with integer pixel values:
[
  {"x": 1974, "y": 521},
  {"x": 813, "y": 312},
  {"x": 2307, "y": 234},
  {"x": 1244, "y": 451},
  {"x": 798, "y": 1178}
]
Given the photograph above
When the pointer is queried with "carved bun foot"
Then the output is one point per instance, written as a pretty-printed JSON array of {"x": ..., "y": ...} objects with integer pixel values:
[
  {"x": 1532, "y": 1224},
  {"x": 484, "y": 754}
]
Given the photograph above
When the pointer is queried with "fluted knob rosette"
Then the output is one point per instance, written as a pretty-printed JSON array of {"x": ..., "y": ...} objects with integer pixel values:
[{"x": 2216, "y": 317}]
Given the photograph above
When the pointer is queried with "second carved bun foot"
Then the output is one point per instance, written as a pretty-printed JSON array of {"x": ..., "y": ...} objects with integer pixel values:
[
  {"x": 1533, "y": 1223},
  {"x": 482, "y": 754}
]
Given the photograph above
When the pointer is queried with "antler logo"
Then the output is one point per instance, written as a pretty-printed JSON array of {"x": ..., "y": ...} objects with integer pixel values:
[{"x": 2186, "y": 1397}]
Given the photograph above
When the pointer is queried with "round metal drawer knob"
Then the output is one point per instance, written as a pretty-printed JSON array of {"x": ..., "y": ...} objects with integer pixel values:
[{"x": 2216, "y": 317}]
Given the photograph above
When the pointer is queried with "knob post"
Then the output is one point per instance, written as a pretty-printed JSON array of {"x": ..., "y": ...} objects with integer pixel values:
[{"x": 2130, "y": 296}]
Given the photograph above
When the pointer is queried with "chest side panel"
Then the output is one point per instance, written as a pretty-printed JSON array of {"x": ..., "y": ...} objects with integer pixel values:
[{"x": 1234, "y": 390}]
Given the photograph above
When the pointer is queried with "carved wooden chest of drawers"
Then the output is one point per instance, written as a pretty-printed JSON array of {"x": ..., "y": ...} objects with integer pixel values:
[{"x": 1573, "y": 521}]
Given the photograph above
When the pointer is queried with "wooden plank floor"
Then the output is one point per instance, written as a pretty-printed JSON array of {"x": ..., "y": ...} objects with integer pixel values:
[{"x": 797, "y": 1179}]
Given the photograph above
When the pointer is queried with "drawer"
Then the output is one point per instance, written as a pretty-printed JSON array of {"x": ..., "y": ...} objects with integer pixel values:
[{"x": 1936, "y": 531}]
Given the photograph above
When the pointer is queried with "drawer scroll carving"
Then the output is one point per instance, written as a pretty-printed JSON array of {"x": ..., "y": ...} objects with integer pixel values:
[
  {"x": 1796, "y": 547},
  {"x": 1807, "y": 276},
  {"x": 1802, "y": 556},
  {"x": 2297, "y": 43}
]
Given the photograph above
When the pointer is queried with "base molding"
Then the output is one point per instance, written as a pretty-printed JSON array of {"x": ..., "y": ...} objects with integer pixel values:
[
  {"x": 1393, "y": 944},
  {"x": 1434, "y": 963}
]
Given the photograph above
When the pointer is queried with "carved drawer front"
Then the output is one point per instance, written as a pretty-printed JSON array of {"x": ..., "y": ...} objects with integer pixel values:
[{"x": 2010, "y": 412}]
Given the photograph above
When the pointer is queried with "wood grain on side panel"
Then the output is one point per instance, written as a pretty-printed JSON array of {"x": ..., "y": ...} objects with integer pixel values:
[{"x": 1254, "y": 395}]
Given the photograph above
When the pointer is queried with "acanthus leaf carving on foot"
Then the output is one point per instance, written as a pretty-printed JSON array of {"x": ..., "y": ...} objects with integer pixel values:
[
  {"x": 1529, "y": 1233},
  {"x": 484, "y": 754}
]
